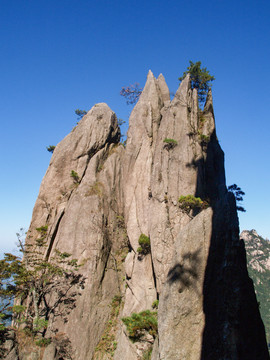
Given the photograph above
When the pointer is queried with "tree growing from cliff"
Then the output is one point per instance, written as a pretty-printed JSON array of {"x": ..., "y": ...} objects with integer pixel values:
[
  {"x": 9, "y": 265},
  {"x": 39, "y": 285},
  {"x": 200, "y": 79},
  {"x": 238, "y": 194},
  {"x": 50, "y": 148},
  {"x": 131, "y": 93},
  {"x": 139, "y": 324},
  {"x": 80, "y": 113}
]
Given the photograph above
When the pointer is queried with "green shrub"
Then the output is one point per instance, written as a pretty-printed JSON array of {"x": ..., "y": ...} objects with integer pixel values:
[
  {"x": 147, "y": 354},
  {"x": 190, "y": 202},
  {"x": 108, "y": 343},
  {"x": 42, "y": 229},
  {"x": 3, "y": 318},
  {"x": 40, "y": 242},
  {"x": 43, "y": 342},
  {"x": 140, "y": 250},
  {"x": 43, "y": 233},
  {"x": 204, "y": 138},
  {"x": 145, "y": 247},
  {"x": 62, "y": 255},
  {"x": 80, "y": 113},
  {"x": 120, "y": 221},
  {"x": 170, "y": 143},
  {"x": 2, "y": 328},
  {"x": 40, "y": 324},
  {"x": 50, "y": 148},
  {"x": 155, "y": 304},
  {"x": 18, "y": 309},
  {"x": 75, "y": 176},
  {"x": 137, "y": 324},
  {"x": 116, "y": 302},
  {"x": 96, "y": 189},
  {"x": 202, "y": 119}
]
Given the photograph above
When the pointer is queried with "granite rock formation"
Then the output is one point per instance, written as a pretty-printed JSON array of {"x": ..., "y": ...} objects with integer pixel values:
[{"x": 196, "y": 267}]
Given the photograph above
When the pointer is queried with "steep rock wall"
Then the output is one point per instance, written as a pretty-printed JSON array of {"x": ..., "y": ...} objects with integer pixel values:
[
  {"x": 196, "y": 266},
  {"x": 82, "y": 218}
]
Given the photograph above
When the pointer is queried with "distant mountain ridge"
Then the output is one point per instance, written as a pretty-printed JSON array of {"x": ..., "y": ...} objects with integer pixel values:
[{"x": 258, "y": 261}]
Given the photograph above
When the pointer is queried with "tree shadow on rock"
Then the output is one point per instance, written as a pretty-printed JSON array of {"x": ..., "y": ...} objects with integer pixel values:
[
  {"x": 185, "y": 273},
  {"x": 65, "y": 297}
]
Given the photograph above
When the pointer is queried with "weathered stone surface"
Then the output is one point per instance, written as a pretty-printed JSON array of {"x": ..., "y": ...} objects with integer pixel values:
[
  {"x": 129, "y": 264},
  {"x": 13, "y": 355},
  {"x": 81, "y": 218},
  {"x": 125, "y": 192},
  {"x": 155, "y": 352},
  {"x": 125, "y": 349},
  {"x": 181, "y": 316},
  {"x": 49, "y": 352},
  {"x": 8, "y": 345},
  {"x": 35, "y": 355},
  {"x": 96, "y": 130}
]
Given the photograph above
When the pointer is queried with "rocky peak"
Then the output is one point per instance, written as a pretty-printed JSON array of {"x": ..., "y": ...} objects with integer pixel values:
[
  {"x": 193, "y": 261},
  {"x": 97, "y": 130},
  {"x": 258, "y": 250},
  {"x": 254, "y": 232}
]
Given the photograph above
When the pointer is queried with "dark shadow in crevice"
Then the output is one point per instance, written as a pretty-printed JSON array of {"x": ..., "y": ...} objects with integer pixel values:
[
  {"x": 49, "y": 248},
  {"x": 233, "y": 327}
]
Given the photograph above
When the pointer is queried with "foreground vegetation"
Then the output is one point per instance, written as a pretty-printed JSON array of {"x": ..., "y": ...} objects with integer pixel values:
[{"x": 27, "y": 283}]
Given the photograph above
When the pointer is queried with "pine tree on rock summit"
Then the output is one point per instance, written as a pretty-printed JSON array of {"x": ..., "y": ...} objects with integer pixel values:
[{"x": 200, "y": 79}]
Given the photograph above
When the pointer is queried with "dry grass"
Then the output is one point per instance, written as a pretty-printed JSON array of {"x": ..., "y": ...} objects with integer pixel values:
[
  {"x": 108, "y": 344},
  {"x": 96, "y": 189},
  {"x": 26, "y": 344}
]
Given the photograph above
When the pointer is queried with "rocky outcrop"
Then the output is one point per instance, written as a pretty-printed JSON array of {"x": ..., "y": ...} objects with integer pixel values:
[
  {"x": 258, "y": 263},
  {"x": 196, "y": 266},
  {"x": 82, "y": 216}
]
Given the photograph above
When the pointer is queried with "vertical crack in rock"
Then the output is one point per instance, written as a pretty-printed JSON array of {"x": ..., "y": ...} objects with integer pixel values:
[
  {"x": 154, "y": 277},
  {"x": 50, "y": 245}
]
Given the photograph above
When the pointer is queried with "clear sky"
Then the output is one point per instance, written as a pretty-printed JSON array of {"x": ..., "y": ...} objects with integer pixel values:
[{"x": 57, "y": 56}]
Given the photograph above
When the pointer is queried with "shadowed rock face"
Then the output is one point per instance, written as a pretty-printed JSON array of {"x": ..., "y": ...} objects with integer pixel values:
[{"x": 196, "y": 267}]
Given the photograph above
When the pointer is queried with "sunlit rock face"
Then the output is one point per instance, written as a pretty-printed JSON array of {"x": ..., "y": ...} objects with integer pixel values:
[
  {"x": 196, "y": 266},
  {"x": 258, "y": 263}
]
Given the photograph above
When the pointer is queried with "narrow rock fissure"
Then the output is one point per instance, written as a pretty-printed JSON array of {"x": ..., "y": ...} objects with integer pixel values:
[
  {"x": 154, "y": 276},
  {"x": 130, "y": 288},
  {"x": 105, "y": 267},
  {"x": 48, "y": 253},
  {"x": 116, "y": 270}
]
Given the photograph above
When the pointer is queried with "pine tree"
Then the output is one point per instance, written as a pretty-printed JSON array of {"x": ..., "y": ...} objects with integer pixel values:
[{"x": 200, "y": 79}]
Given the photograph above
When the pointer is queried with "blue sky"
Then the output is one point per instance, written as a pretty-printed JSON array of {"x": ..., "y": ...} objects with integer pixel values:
[{"x": 57, "y": 56}]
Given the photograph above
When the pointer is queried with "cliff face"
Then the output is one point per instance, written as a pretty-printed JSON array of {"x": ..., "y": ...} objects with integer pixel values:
[{"x": 196, "y": 267}]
